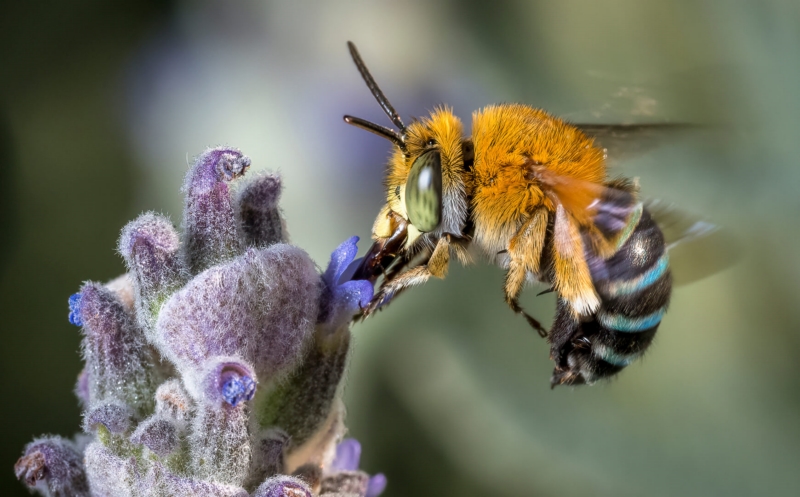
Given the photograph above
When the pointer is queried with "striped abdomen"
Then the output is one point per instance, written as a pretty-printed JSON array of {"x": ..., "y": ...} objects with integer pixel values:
[{"x": 634, "y": 286}]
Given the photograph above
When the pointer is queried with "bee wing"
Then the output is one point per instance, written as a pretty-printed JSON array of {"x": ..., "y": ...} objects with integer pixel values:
[
  {"x": 697, "y": 247},
  {"x": 625, "y": 141},
  {"x": 602, "y": 211}
]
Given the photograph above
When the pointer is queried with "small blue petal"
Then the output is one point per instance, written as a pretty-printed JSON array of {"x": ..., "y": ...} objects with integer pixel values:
[
  {"x": 340, "y": 259},
  {"x": 237, "y": 389},
  {"x": 376, "y": 485},
  {"x": 356, "y": 294},
  {"x": 348, "y": 454},
  {"x": 75, "y": 309}
]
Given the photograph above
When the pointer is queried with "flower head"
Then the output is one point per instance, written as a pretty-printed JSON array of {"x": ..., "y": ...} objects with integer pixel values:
[
  {"x": 344, "y": 475},
  {"x": 216, "y": 359}
]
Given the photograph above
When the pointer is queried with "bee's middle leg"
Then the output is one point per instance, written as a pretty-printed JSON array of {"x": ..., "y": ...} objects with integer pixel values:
[{"x": 525, "y": 251}]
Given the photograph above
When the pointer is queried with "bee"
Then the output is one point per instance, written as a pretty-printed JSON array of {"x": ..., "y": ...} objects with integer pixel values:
[{"x": 532, "y": 194}]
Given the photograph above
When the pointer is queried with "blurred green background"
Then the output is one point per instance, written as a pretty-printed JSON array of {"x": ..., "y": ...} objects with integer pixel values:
[{"x": 102, "y": 103}]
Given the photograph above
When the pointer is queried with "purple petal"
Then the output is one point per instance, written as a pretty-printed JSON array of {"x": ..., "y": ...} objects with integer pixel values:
[
  {"x": 228, "y": 380},
  {"x": 75, "y": 309},
  {"x": 340, "y": 259},
  {"x": 354, "y": 295},
  {"x": 376, "y": 486},
  {"x": 237, "y": 389},
  {"x": 348, "y": 455}
]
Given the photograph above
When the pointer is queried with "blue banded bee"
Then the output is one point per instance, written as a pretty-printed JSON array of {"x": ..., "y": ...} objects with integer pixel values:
[{"x": 530, "y": 192}]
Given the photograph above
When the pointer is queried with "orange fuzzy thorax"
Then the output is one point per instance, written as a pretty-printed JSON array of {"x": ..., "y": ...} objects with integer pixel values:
[{"x": 509, "y": 141}]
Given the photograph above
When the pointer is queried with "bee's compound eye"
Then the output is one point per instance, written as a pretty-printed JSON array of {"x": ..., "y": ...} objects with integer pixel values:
[{"x": 424, "y": 192}]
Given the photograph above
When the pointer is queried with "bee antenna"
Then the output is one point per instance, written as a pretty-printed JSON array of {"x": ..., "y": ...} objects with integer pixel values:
[
  {"x": 376, "y": 92},
  {"x": 379, "y": 130}
]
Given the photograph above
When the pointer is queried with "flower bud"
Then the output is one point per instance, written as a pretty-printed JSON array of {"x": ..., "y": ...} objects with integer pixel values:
[
  {"x": 260, "y": 217},
  {"x": 220, "y": 441},
  {"x": 283, "y": 486},
  {"x": 158, "y": 434},
  {"x": 211, "y": 234},
  {"x": 172, "y": 401},
  {"x": 343, "y": 475},
  {"x": 116, "y": 418},
  {"x": 150, "y": 246},
  {"x": 268, "y": 456},
  {"x": 118, "y": 362},
  {"x": 53, "y": 466},
  {"x": 346, "y": 482},
  {"x": 82, "y": 389}
]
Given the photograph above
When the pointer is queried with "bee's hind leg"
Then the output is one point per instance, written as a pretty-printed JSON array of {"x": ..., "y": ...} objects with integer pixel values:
[{"x": 525, "y": 252}]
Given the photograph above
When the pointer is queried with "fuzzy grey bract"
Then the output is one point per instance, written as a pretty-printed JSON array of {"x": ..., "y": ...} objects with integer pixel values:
[{"x": 214, "y": 366}]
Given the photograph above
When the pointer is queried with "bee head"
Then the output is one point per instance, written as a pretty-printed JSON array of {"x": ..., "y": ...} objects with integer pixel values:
[{"x": 427, "y": 164}]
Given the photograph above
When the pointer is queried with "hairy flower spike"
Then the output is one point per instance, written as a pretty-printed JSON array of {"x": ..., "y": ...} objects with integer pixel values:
[
  {"x": 261, "y": 221},
  {"x": 209, "y": 219},
  {"x": 150, "y": 246},
  {"x": 53, "y": 466},
  {"x": 214, "y": 366}
]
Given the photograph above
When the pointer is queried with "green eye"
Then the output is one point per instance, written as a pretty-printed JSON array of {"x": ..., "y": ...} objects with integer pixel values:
[{"x": 424, "y": 192}]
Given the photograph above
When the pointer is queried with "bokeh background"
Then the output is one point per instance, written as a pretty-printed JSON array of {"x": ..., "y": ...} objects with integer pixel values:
[{"x": 102, "y": 104}]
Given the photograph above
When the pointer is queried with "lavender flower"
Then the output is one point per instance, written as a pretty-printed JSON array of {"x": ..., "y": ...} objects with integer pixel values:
[
  {"x": 345, "y": 477},
  {"x": 214, "y": 367}
]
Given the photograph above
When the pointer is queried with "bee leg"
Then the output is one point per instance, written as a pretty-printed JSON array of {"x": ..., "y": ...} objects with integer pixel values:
[
  {"x": 436, "y": 265},
  {"x": 571, "y": 277},
  {"x": 525, "y": 251}
]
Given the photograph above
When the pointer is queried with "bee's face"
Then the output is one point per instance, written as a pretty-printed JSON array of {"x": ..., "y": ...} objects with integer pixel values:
[{"x": 424, "y": 182}]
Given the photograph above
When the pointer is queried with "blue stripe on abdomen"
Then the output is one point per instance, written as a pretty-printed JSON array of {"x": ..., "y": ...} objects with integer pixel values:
[
  {"x": 633, "y": 285},
  {"x": 620, "y": 322},
  {"x": 608, "y": 354}
]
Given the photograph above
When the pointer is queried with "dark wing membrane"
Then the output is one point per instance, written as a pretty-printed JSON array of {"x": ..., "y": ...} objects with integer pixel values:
[
  {"x": 602, "y": 211},
  {"x": 697, "y": 248},
  {"x": 625, "y": 141}
]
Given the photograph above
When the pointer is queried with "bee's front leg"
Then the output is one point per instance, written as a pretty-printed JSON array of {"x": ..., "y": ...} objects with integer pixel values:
[{"x": 435, "y": 265}]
